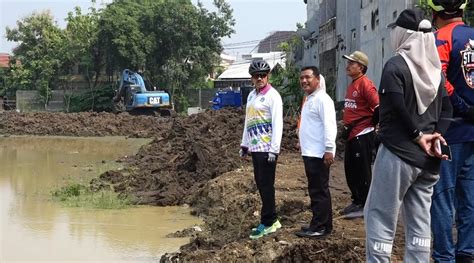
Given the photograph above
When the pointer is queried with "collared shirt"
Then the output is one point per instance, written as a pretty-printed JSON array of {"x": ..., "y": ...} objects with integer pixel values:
[
  {"x": 263, "y": 126},
  {"x": 318, "y": 128}
]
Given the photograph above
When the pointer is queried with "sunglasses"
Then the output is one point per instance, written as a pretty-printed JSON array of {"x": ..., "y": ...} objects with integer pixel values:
[{"x": 259, "y": 75}]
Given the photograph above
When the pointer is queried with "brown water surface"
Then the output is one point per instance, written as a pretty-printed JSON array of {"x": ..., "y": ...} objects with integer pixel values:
[{"x": 35, "y": 228}]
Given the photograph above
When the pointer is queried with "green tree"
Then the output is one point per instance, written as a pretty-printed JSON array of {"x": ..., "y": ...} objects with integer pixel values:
[
  {"x": 175, "y": 42},
  {"x": 122, "y": 37},
  {"x": 36, "y": 60},
  {"x": 287, "y": 79},
  {"x": 82, "y": 35},
  {"x": 82, "y": 48},
  {"x": 3, "y": 72}
]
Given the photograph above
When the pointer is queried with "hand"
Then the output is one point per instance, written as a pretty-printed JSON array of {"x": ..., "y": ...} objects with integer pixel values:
[
  {"x": 271, "y": 157},
  {"x": 427, "y": 141},
  {"x": 243, "y": 151},
  {"x": 328, "y": 159},
  {"x": 437, "y": 148}
]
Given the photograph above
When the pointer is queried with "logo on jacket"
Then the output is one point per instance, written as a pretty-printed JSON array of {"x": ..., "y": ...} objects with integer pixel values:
[
  {"x": 467, "y": 63},
  {"x": 350, "y": 104}
]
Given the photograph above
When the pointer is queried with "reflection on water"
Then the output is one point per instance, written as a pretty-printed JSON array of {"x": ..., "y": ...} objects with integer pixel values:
[{"x": 33, "y": 228}]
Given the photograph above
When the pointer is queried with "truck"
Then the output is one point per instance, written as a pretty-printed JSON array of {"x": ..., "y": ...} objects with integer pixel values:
[
  {"x": 230, "y": 97},
  {"x": 138, "y": 100}
]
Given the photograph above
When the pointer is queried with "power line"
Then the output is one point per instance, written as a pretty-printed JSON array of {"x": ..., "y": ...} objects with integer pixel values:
[
  {"x": 236, "y": 63},
  {"x": 267, "y": 38},
  {"x": 242, "y": 47},
  {"x": 241, "y": 43}
]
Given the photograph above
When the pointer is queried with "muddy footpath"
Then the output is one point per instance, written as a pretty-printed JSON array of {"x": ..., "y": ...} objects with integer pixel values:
[{"x": 194, "y": 161}]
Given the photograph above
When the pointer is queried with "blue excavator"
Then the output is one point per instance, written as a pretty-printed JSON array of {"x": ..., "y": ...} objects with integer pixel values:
[{"x": 138, "y": 100}]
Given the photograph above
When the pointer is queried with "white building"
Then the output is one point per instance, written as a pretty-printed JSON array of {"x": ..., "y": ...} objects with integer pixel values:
[{"x": 237, "y": 74}]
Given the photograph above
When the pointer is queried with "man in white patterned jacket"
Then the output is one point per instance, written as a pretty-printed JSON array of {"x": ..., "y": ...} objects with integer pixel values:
[{"x": 261, "y": 139}]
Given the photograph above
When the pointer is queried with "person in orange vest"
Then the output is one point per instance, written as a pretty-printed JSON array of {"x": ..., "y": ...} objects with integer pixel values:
[{"x": 453, "y": 196}]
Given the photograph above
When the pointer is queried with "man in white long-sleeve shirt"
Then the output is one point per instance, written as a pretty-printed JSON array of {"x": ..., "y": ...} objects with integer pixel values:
[
  {"x": 317, "y": 135},
  {"x": 261, "y": 137}
]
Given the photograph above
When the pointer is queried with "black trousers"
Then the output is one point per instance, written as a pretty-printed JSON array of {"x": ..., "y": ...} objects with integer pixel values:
[
  {"x": 318, "y": 188},
  {"x": 358, "y": 157},
  {"x": 264, "y": 173}
]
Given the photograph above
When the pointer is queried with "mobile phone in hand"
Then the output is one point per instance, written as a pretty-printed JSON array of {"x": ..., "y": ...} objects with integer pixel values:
[{"x": 444, "y": 149}]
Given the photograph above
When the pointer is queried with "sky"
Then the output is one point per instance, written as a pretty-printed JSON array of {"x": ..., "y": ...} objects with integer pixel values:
[{"x": 254, "y": 19}]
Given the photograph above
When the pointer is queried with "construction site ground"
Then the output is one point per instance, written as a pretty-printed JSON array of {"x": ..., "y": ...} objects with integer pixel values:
[{"x": 194, "y": 161}]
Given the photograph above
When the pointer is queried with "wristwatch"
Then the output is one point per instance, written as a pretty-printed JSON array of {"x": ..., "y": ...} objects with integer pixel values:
[{"x": 417, "y": 139}]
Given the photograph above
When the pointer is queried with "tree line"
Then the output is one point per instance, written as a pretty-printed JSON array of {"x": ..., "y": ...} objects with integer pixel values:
[{"x": 175, "y": 43}]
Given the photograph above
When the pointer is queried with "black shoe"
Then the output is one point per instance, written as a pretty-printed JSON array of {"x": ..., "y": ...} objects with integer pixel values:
[
  {"x": 351, "y": 208},
  {"x": 355, "y": 214},
  {"x": 313, "y": 234},
  {"x": 305, "y": 228}
]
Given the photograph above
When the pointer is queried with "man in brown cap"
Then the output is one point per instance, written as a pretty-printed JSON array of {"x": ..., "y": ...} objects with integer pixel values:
[{"x": 360, "y": 117}]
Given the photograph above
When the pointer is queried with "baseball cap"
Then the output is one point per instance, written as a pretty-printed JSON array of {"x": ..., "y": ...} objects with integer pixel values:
[
  {"x": 412, "y": 19},
  {"x": 359, "y": 57}
]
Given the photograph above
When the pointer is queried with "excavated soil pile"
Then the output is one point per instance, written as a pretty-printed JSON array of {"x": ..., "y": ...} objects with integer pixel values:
[
  {"x": 230, "y": 206},
  {"x": 183, "y": 157},
  {"x": 81, "y": 124}
]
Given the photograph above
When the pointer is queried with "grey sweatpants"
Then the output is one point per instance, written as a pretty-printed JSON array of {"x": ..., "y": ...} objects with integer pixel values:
[{"x": 397, "y": 184}]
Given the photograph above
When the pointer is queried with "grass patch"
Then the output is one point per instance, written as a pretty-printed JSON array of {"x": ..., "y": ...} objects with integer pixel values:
[{"x": 78, "y": 195}]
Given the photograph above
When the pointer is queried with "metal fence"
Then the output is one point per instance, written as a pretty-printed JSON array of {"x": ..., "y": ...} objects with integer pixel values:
[
  {"x": 200, "y": 97},
  {"x": 30, "y": 101}
]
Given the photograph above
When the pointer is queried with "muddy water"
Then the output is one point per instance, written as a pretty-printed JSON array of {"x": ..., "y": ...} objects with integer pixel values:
[{"x": 35, "y": 228}]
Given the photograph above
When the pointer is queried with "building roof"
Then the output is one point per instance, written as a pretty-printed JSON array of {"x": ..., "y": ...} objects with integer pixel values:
[
  {"x": 226, "y": 60},
  {"x": 240, "y": 69},
  {"x": 273, "y": 41},
  {"x": 227, "y": 57},
  {"x": 4, "y": 60}
]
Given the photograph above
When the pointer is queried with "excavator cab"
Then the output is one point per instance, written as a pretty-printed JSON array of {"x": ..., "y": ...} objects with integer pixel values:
[{"x": 137, "y": 99}]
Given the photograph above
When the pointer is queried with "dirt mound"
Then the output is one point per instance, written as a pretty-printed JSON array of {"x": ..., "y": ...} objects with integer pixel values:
[
  {"x": 181, "y": 159},
  {"x": 230, "y": 206},
  {"x": 176, "y": 163},
  {"x": 81, "y": 124}
]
